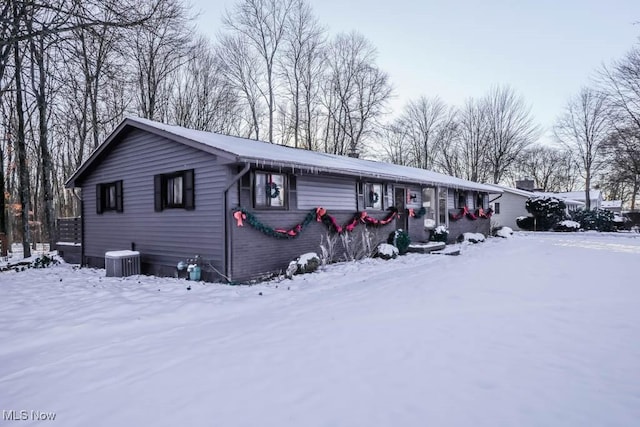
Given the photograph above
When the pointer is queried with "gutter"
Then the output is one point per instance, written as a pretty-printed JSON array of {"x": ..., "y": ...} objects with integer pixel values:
[
  {"x": 227, "y": 231},
  {"x": 493, "y": 200}
]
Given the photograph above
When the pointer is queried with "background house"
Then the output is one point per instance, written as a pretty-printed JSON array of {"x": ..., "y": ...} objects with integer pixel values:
[
  {"x": 595, "y": 197},
  {"x": 614, "y": 206},
  {"x": 172, "y": 193},
  {"x": 511, "y": 204},
  {"x": 508, "y": 205}
]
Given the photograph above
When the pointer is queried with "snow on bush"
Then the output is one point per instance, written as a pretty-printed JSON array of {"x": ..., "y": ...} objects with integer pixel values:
[
  {"x": 440, "y": 234},
  {"x": 525, "y": 222},
  {"x": 504, "y": 232},
  {"x": 305, "y": 263},
  {"x": 471, "y": 237},
  {"x": 386, "y": 251},
  {"x": 400, "y": 239},
  {"x": 567, "y": 225},
  {"x": 547, "y": 211},
  {"x": 595, "y": 219}
]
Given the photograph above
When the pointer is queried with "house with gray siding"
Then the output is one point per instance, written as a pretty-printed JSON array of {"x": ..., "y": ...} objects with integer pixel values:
[
  {"x": 246, "y": 207},
  {"x": 508, "y": 204}
]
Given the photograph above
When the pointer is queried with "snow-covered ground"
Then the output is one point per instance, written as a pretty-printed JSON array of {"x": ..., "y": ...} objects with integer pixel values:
[{"x": 534, "y": 330}]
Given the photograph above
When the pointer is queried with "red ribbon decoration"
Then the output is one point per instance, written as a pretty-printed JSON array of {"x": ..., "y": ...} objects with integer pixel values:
[
  {"x": 412, "y": 212},
  {"x": 239, "y": 216}
]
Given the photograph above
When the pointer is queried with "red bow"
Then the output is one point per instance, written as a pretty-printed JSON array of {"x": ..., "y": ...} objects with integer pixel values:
[{"x": 239, "y": 216}]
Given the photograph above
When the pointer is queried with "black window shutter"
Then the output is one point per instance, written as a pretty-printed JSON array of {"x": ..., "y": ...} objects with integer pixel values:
[
  {"x": 189, "y": 190},
  {"x": 119, "y": 206},
  {"x": 99, "y": 198},
  {"x": 157, "y": 192}
]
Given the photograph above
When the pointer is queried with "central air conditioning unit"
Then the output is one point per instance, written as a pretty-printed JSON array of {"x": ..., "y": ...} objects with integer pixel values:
[{"x": 122, "y": 263}]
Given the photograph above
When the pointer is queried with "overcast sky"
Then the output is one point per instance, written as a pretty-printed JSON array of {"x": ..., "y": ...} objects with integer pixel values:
[{"x": 544, "y": 49}]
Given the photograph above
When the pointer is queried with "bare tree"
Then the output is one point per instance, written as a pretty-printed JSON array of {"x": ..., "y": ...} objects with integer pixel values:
[
  {"x": 448, "y": 158},
  {"x": 300, "y": 56},
  {"x": 241, "y": 69},
  {"x": 359, "y": 90},
  {"x": 41, "y": 89},
  {"x": 474, "y": 134},
  {"x": 203, "y": 99},
  {"x": 621, "y": 83},
  {"x": 159, "y": 48},
  {"x": 395, "y": 144},
  {"x": 583, "y": 130},
  {"x": 622, "y": 150},
  {"x": 261, "y": 24},
  {"x": 551, "y": 168},
  {"x": 20, "y": 11},
  {"x": 423, "y": 119},
  {"x": 511, "y": 129}
]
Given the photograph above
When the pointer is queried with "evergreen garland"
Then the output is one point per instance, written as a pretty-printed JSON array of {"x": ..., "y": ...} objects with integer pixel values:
[
  {"x": 479, "y": 213},
  {"x": 320, "y": 214}
]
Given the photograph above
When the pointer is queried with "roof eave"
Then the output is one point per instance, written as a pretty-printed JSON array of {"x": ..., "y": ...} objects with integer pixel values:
[
  {"x": 128, "y": 122},
  {"x": 363, "y": 174}
]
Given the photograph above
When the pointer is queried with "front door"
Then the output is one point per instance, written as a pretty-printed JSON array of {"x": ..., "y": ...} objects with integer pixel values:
[{"x": 400, "y": 197}]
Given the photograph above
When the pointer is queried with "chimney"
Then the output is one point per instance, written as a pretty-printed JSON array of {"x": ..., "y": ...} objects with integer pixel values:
[
  {"x": 353, "y": 152},
  {"x": 525, "y": 184}
]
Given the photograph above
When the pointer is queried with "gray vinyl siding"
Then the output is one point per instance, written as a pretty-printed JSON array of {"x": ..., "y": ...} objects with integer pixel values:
[
  {"x": 327, "y": 192},
  {"x": 511, "y": 207},
  {"x": 163, "y": 238},
  {"x": 466, "y": 225},
  {"x": 255, "y": 255}
]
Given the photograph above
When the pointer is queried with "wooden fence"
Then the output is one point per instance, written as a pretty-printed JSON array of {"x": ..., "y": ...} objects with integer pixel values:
[{"x": 70, "y": 230}]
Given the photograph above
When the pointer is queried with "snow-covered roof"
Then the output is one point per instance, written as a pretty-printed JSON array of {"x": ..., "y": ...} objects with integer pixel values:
[
  {"x": 525, "y": 193},
  {"x": 265, "y": 154},
  {"x": 610, "y": 204},
  {"x": 501, "y": 188},
  {"x": 565, "y": 199},
  {"x": 579, "y": 195}
]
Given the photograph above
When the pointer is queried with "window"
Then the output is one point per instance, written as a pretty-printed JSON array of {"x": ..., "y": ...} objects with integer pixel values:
[
  {"x": 373, "y": 196},
  {"x": 269, "y": 190},
  {"x": 429, "y": 205},
  {"x": 496, "y": 207},
  {"x": 461, "y": 199},
  {"x": 479, "y": 200},
  {"x": 109, "y": 197},
  {"x": 442, "y": 205},
  {"x": 174, "y": 187},
  {"x": 175, "y": 190}
]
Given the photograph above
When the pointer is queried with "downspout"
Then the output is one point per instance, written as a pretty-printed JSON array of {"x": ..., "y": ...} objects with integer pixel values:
[
  {"x": 491, "y": 201},
  {"x": 227, "y": 232}
]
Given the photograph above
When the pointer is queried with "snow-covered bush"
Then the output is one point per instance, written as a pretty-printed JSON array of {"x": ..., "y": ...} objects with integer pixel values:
[
  {"x": 440, "y": 234},
  {"x": 526, "y": 223},
  {"x": 386, "y": 251},
  {"x": 595, "y": 219},
  {"x": 567, "y": 225},
  {"x": 305, "y": 263},
  {"x": 400, "y": 239},
  {"x": 471, "y": 237},
  {"x": 44, "y": 261},
  {"x": 547, "y": 211},
  {"x": 504, "y": 232}
]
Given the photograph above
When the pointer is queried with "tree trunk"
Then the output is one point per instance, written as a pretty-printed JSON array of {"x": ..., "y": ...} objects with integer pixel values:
[
  {"x": 40, "y": 87},
  {"x": 3, "y": 218},
  {"x": 21, "y": 148},
  {"x": 587, "y": 200}
]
